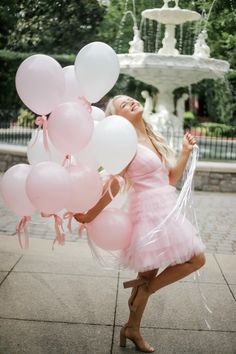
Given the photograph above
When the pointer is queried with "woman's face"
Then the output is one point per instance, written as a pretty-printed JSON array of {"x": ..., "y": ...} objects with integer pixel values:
[{"x": 128, "y": 108}]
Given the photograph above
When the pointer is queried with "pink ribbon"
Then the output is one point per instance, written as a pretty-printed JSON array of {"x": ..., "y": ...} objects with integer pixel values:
[
  {"x": 69, "y": 215},
  {"x": 120, "y": 180},
  {"x": 60, "y": 236},
  {"x": 20, "y": 225},
  {"x": 86, "y": 103},
  {"x": 42, "y": 121}
]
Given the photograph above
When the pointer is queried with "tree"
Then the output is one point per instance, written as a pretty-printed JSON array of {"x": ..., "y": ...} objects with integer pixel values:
[{"x": 60, "y": 27}]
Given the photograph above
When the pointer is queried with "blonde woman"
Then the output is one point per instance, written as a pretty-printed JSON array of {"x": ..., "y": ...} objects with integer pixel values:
[{"x": 153, "y": 177}]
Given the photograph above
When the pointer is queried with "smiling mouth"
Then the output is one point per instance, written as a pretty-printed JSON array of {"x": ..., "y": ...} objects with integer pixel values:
[{"x": 134, "y": 107}]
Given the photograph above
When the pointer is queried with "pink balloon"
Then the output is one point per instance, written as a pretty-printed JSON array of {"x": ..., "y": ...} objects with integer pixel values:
[
  {"x": 111, "y": 229},
  {"x": 70, "y": 127},
  {"x": 47, "y": 186},
  {"x": 85, "y": 188},
  {"x": 40, "y": 83},
  {"x": 14, "y": 192}
]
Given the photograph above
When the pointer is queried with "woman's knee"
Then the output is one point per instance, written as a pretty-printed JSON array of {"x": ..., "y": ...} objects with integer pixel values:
[{"x": 198, "y": 261}]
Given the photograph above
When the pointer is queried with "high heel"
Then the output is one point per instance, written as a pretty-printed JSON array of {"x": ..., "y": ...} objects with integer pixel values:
[{"x": 144, "y": 348}]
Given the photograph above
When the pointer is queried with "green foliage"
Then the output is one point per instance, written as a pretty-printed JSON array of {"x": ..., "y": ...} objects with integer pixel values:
[
  {"x": 26, "y": 118},
  {"x": 62, "y": 26},
  {"x": 217, "y": 129},
  {"x": 190, "y": 119},
  {"x": 9, "y": 63}
]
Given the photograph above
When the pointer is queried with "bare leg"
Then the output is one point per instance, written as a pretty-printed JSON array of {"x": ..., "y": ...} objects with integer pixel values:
[
  {"x": 176, "y": 272},
  {"x": 169, "y": 276},
  {"x": 132, "y": 329}
]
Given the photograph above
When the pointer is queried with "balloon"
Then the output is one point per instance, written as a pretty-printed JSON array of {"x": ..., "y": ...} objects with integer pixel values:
[
  {"x": 36, "y": 152},
  {"x": 85, "y": 188},
  {"x": 115, "y": 143},
  {"x": 70, "y": 127},
  {"x": 97, "y": 113},
  {"x": 72, "y": 90},
  {"x": 110, "y": 230},
  {"x": 14, "y": 192},
  {"x": 47, "y": 186},
  {"x": 97, "y": 70},
  {"x": 40, "y": 83},
  {"x": 87, "y": 156}
]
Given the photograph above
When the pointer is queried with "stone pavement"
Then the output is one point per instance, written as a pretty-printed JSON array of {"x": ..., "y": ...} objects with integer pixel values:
[
  {"x": 62, "y": 302},
  {"x": 215, "y": 213}
]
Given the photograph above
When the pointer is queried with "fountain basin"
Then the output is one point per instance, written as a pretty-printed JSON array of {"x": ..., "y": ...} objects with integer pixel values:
[
  {"x": 173, "y": 16},
  {"x": 171, "y": 71}
]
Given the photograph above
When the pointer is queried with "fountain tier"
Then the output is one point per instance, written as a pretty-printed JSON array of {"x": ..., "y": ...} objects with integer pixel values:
[{"x": 171, "y": 71}]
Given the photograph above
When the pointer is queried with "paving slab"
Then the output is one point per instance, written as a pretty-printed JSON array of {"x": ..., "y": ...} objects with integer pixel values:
[
  {"x": 81, "y": 263},
  {"x": 2, "y": 276},
  {"x": 233, "y": 289},
  {"x": 167, "y": 341},
  {"x": 70, "y": 298},
  {"x": 8, "y": 260},
  {"x": 227, "y": 264},
  {"x": 28, "y": 337},
  {"x": 210, "y": 273},
  {"x": 181, "y": 305}
]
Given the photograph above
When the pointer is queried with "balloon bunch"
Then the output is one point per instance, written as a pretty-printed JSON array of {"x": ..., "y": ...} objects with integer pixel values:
[{"x": 65, "y": 155}]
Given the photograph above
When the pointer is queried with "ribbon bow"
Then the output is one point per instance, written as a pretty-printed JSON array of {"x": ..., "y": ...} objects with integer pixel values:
[
  {"x": 20, "y": 225},
  {"x": 60, "y": 236},
  {"x": 42, "y": 121}
]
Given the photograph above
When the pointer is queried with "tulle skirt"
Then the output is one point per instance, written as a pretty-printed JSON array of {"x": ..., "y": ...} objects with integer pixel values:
[{"x": 175, "y": 242}]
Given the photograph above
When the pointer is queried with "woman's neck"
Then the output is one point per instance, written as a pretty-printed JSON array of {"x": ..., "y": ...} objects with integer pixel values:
[{"x": 141, "y": 130}]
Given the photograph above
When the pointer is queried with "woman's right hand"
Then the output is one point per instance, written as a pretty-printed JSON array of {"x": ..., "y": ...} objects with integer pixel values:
[{"x": 83, "y": 218}]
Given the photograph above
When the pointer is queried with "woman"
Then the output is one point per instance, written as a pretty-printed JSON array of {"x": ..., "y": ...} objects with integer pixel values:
[{"x": 176, "y": 246}]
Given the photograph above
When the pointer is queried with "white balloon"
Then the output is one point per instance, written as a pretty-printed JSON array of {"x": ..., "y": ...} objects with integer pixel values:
[
  {"x": 36, "y": 151},
  {"x": 115, "y": 143},
  {"x": 72, "y": 90},
  {"x": 97, "y": 113},
  {"x": 97, "y": 69}
]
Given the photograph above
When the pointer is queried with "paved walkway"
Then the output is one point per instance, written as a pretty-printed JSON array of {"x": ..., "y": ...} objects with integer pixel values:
[
  {"x": 62, "y": 302},
  {"x": 215, "y": 214}
]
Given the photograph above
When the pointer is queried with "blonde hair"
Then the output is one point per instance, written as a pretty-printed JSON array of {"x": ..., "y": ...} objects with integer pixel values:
[{"x": 157, "y": 139}]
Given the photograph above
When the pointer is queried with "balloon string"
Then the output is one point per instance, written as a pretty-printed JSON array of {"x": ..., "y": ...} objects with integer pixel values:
[
  {"x": 42, "y": 121},
  {"x": 60, "y": 235},
  {"x": 20, "y": 225},
  {"x": 86, "y": 103}
]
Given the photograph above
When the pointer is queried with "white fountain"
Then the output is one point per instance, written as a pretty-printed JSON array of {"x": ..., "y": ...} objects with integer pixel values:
[{"x": 167, "y": 69}]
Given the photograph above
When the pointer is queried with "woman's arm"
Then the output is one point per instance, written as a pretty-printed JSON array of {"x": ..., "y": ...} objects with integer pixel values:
[
  {"x": 177, "y": 171},
  {"x": 102, "y": 203}
]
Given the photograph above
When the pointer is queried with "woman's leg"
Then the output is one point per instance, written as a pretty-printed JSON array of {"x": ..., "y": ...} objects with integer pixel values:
[
  {"x": 170, "y": 275},
  {"x": 132, "y": 327},
  {"x": 176, "y": 272},
  {"x": 135, "y": 317}
]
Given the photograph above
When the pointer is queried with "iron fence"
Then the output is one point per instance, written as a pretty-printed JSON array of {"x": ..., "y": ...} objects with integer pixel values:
[{"x": 213, "y": 145}]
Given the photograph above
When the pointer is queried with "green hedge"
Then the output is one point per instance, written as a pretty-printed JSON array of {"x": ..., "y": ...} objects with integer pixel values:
[
  {"x": 9, "y": 63},
  {"x": 217, "y": 129}
]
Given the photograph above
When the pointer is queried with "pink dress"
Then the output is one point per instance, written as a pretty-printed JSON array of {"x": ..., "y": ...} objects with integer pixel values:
[{"x": 150, "y": 201}]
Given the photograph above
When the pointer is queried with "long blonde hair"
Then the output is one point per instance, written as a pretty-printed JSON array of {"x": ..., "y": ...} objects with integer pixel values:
[{"x": 157, "y": 139}]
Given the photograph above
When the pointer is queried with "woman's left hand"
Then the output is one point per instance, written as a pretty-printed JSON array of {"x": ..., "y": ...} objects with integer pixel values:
[{"x": 188, "y": 142}]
